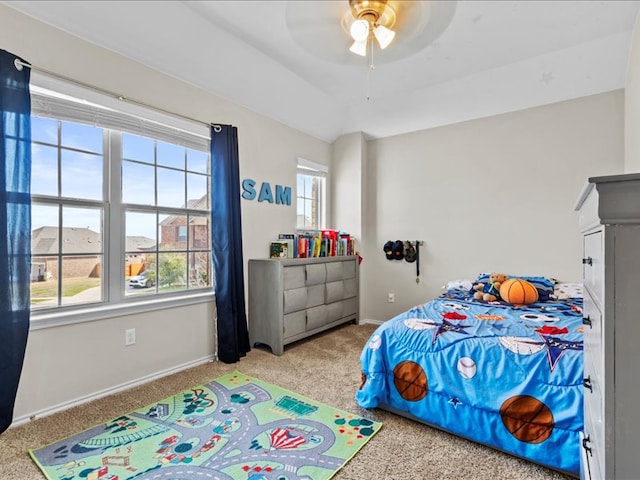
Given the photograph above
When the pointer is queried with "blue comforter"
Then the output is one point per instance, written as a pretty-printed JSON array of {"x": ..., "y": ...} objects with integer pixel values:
[{"x": 505, "y": 376}]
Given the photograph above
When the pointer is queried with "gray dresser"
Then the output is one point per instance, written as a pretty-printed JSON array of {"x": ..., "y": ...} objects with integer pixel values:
[
  {"x": 290, "y": 299},
  {"x": 609, "y": 219}
]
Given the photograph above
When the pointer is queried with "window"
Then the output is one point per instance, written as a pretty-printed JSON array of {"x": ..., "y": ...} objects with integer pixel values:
[
  {"x": 311, "y": 194},
  {"x": 120, "y": 205}
]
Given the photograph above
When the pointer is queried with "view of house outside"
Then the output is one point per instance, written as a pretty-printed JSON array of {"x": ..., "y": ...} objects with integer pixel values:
[{"x": 167, "y": 238}]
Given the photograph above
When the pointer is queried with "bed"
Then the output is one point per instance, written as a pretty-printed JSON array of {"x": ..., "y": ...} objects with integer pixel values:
[{"x": 505, "y": 376}]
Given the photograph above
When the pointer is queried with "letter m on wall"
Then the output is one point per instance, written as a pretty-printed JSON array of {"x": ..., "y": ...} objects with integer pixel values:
[{"x": 283, "y": 195}]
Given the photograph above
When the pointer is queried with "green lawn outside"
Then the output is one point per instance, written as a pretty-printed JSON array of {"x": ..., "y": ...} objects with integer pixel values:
[{"x": 70, "y": 286}]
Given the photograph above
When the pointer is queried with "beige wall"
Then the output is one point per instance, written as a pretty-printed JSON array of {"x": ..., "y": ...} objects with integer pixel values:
[
  {"x": 71, "y": 363},
  {"x": 632, "y": 105},
  {"x": 495, "y": 194}
]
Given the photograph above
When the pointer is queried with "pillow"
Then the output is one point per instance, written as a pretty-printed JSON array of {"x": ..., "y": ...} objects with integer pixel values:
[
  {"x": 462, "y": 285},
  {"x": 541, "y": 283},
  {"x": 563, "y": 291}
]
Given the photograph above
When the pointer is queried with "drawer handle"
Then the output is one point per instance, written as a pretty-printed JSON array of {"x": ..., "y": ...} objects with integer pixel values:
[
  {"x": 587, "y": 321},
  {"x": 585, "y": 445},
  {"x": 587, "y": 383},
  {"x": 587, "y": 261}
]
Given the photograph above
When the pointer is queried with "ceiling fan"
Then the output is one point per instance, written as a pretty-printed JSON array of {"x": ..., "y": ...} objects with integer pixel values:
[
  {"x": 371, "y": 19},
  {"x": 323, "y": 27}
]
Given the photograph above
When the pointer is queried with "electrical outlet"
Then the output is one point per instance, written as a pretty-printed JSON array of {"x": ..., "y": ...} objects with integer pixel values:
[
  {"x": 391, "y": 297},
  {"x": 130, "y": 336}
]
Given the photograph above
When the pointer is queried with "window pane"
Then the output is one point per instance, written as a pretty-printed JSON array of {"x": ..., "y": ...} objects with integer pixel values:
[
  {"x": 44, "y": 233},
  {"x": 172, "y": 271},
  {"x": 197, "y": 161},
  {"x": 82, "y": 230},
  {"x": 81, "y": 279},
  {"x": 170, "y": 230},
  {"x": 44, "y": 130},
  {"x": 138, "y": 183},
  {"x": 199, "y": 232},
  {"x": 141, "y": 230},
  {"x": 197, "y": 191},
  {"x": 81, "y": 175},
  {"x": 44, "y": 170},
  {"x": 171, "y": 155},
  {"x": 135, "y": 147},
  {"x": 171, "y": 188},
  {"x": 82, "y": 137},
  {"x": 199, "y": 269},
  {"x": 44, "y": 284},
  {"x": 308, "y": 219},
  {"x": 141, "y": 275},
  {"x": 308, "y": 181},
  {"x": 300, "y": 187}
]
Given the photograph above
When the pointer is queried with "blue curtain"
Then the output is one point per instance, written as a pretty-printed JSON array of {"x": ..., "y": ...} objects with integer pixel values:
[
  {"x": 233, "y": 335},
  {"x": 15, "y": 228}
]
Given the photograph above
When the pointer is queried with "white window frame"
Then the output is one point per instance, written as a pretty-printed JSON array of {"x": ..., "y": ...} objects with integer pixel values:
[
  {"x": 307, "y": 167},
  {"x": 102, "y": 110}
]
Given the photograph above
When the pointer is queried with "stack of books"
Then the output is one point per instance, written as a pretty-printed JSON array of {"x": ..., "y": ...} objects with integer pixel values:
[{"x": 312, "y": 243}]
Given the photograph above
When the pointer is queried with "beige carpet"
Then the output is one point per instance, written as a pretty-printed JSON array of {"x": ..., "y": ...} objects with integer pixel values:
[{"x": 325, "y": 368}]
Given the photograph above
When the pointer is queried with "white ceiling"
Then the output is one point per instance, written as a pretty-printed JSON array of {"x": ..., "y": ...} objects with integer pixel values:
[{"x": 451, "y": 61}]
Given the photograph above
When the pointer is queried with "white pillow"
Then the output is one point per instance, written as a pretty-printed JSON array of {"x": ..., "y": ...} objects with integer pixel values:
[
  {"x": 462, "y": 285},
  {"x": 567, "y": 290}
]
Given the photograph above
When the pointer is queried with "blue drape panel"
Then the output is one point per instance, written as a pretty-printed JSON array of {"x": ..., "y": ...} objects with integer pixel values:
[
  {"x": 15, "y": 228},
  {"x": 226, "y": 225}
]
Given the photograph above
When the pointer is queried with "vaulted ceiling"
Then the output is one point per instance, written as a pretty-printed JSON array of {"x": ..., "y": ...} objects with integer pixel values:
[{"x": 451, "y": 61}]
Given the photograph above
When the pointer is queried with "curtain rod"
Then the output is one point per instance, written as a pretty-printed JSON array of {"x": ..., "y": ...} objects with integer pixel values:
[{"x": 19, "y": 64}]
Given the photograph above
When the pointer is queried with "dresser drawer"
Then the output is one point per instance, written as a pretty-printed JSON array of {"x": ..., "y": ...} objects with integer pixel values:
[
  {"x": 334, "y": 271},
  {"x": 593, "y": 450},
  {"x": 593, "y": 265},
  {"x": 294, "y": 277},
  {"x": 294, "y": 324},
  {"x": 316, "y": 317},
  {"x": 589, "y": 465},
  {"x": 593, "y": 346},
  {"x": 350, "y": 288},
  {"x": 349, "y": 269},
  {"x": 335, "y": 291},
  {"x": 593, "y": 406},
  {"x": 295, "y": 299},
  {"x": 316, "y": 274},
  {"x": 315, "y": 295}
]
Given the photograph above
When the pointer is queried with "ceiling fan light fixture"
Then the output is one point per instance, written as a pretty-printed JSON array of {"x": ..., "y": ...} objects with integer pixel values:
[
  {"x": 384, "y": 36},
  {"x": 359, "y": 30},
  {"x": 367, "y": 19},
  {"x": 359, "y": 48}
]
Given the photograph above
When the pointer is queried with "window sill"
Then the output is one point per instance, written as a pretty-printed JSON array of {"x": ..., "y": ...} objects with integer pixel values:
[{"x": 60, "y": 317}]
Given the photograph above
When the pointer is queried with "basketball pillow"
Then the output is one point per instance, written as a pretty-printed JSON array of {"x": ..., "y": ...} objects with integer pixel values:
[{"x": 518, "y": 292}]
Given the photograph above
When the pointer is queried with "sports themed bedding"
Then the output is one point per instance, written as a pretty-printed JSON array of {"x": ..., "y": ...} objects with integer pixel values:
[{"x": 502, "y": 375}]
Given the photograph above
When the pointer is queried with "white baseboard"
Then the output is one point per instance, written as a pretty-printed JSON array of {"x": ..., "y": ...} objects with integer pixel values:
[
  {"x": 371, "y": 321},
  {"x": 109, "y": 391}
]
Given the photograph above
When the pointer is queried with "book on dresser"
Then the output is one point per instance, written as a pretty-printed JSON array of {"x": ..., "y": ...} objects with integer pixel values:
[{"x": 609, "y": 220}]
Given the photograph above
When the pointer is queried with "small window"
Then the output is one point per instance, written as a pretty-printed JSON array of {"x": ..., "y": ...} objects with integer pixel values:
[{"x": 311, "y": 195}]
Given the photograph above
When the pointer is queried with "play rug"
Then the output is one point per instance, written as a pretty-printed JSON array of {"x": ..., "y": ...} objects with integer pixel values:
[{"x": 235, "y": 427}]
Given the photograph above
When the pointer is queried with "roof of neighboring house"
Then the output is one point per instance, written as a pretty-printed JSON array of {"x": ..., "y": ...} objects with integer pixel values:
[
  {"x": 193, "y": 204},
  {"x": 44, "y": 240},
  {"x": 139, "y": 243}
]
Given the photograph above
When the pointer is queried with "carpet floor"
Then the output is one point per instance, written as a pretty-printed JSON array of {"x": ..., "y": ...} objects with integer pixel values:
[{"x": 324, "y": 367}]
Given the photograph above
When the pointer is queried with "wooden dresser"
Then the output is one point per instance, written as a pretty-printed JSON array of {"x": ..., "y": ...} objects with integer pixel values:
[
  {"x": 290, "y": 299},
  {"x": 609, "y": 219}
]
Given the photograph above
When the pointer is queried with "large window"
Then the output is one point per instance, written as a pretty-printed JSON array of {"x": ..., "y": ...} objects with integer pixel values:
[
  {"x": 310, "y": 196},
  {"x": 120, "y": 206}
]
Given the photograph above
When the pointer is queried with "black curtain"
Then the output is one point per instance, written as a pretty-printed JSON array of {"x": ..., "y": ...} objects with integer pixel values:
[
  {"x": 15, "y": 227},
  {"x": 226, "y": 225}
]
